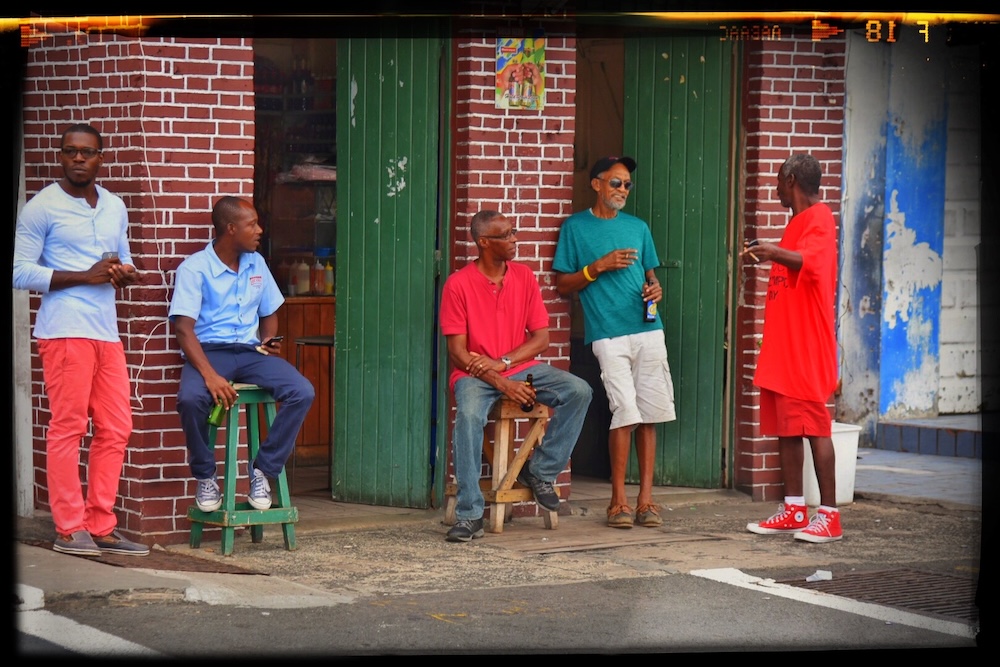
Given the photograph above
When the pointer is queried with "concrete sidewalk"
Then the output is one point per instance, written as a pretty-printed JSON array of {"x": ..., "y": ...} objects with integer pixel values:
[{"x": 330, "y": 526}]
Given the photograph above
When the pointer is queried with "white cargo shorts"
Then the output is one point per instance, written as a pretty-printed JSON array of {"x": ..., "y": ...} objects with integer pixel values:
[{"x": 636, "y": 378}]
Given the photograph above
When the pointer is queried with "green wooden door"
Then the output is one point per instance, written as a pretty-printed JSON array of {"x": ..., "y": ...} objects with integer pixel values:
[
  {"x": 679, "y": 125},
  {"x": 388, "y": 189}
]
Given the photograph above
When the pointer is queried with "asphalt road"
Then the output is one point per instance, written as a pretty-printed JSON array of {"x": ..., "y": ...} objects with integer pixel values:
[{"x": 675, "y": 613}]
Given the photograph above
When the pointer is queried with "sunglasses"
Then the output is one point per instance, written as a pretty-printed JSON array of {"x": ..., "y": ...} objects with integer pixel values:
[
  {"x": 71, "y": 151},
  {"x": 616, "y": 183},
  {"x": 502, "y": 237}
]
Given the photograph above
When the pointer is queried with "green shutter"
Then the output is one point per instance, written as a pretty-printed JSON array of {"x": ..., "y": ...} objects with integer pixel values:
[
  {"x": 679, "y": 126},
  {"x": 388, "y": 112}
]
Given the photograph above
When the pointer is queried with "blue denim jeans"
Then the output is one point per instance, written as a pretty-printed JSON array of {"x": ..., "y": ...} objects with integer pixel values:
[{"x": 567, "y": 395}]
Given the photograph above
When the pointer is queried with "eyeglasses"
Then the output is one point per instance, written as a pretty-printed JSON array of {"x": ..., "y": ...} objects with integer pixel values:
[
  {"x": 71, "y": 152},
  {"x": 616, "y": 183},
  {"x": 502, "y": 237}
]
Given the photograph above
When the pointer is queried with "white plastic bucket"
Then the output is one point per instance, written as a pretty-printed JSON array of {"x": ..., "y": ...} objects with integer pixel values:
[{"x": 845, "y": 447}]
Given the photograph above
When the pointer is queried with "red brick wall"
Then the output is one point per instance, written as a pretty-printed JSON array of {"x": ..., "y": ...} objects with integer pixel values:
[
  {"x": 177, "y": 118},
  {"x": 519, "y": 162},
  {"x": 793, "y": 101}
]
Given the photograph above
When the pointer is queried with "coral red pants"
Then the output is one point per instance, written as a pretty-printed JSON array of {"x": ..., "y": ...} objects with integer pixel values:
[{"x": 85, "y": 380}]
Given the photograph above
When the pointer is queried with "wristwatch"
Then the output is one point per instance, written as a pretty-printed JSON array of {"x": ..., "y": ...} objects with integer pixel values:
[{"x": 507, "y": 362}]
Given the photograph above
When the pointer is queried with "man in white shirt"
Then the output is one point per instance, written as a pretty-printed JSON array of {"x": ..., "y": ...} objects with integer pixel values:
[{"x": 71, "y": 246}]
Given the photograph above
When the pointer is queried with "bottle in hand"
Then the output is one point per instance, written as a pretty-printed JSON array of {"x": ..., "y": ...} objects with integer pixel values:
[
  {"x": 530, "y": 381},
  {"x": 218, "y": 414},
  {"x": 649, "y": 308}
]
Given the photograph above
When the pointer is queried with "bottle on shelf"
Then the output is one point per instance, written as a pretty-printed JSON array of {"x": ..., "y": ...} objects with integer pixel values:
[
  {"x": 281, "y": 273},
  {"x": 530, "y": 381},
  {"x": 293, "y": 280},
  {"x": 302, "y": 277},
  {"x": 293, "y": 85},
  {"x": 305, "y": 84},
  {"x": 328, "y": 278},
  {"x": 318, "y": 277}
]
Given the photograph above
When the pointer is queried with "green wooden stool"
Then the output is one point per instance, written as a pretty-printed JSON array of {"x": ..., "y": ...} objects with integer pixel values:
[{"x": 232, "y": 513}]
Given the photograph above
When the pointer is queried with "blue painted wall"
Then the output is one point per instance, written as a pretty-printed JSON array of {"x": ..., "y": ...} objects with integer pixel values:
[{"x": 913, "y": 234}]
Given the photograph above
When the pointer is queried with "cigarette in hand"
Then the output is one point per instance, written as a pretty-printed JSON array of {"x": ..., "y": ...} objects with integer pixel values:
[{"x": 755, "y": 258}]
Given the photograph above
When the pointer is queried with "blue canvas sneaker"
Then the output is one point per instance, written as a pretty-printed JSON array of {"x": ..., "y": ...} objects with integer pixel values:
[
  {"x": 260, "y": 490},
  {"x": 208, "y": 498}
]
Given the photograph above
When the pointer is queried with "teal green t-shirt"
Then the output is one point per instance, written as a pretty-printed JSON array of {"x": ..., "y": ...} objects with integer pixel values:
[{"x": 612, "y": 304}]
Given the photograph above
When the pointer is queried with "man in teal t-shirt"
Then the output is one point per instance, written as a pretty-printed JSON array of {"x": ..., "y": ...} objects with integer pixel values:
[{"x": 608, "y": 257}]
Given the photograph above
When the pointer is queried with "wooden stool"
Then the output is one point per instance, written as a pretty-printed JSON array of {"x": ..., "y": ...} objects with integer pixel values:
[
  {"x": 232, "y": 513},
  {"x": 502, "y": 489}
]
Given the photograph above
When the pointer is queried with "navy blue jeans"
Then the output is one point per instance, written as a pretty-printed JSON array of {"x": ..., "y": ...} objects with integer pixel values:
[{"x": 238, "y": 362}]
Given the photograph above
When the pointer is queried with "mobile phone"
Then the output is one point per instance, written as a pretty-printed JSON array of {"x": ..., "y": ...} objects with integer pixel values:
[
  {"x": 111, "y": 254},
  {"x": 273, "y": 339}
]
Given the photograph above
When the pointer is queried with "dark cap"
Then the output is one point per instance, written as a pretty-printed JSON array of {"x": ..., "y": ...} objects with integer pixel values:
[{"x": 606, "y": 163}]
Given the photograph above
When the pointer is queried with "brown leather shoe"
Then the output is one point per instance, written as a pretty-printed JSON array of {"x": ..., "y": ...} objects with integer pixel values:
[
  {"x": 620, "y": 516},
  {"x": 648, "y": 515}
]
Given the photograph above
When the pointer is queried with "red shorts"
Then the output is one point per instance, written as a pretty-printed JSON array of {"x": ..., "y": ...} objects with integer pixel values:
[{"x": 783, "y": 416}]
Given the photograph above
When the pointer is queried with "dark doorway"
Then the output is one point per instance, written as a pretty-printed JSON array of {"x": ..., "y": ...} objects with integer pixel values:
[{"x": 600, "y": 66}]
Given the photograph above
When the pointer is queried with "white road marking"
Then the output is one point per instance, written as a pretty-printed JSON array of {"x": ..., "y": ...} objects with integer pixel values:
[
  {"x": 887, "y": 614},
  {"x": 71, "y": 635}
]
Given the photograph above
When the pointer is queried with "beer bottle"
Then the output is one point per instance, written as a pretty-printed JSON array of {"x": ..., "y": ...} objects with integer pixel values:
[
  {"x": 649, "y": 307},
  {"x": 218, "y": 414},
  {"x": 529, "y": 406}
]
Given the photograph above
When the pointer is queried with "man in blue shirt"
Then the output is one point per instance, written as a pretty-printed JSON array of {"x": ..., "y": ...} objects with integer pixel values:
[
  {"x": 608, "y": 257},
  {"x": 225, "y": 304},
  {"x": 71, "y": 246}
]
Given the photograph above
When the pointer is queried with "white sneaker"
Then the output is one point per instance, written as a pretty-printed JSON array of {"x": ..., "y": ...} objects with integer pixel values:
[{"x": 260, "y": 491}]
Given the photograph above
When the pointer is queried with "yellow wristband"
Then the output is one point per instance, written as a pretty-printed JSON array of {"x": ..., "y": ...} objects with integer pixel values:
[{"x": 586, "y": 274}]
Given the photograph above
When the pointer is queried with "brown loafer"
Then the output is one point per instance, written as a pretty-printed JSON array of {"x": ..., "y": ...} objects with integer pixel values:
[
  {"x": 620, "y": 516},
  {"x": 648, "y": 516}
]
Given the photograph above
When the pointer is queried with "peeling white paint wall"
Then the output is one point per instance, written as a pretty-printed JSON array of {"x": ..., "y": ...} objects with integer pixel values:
[
  {"x": 908, "y": 267},
  {"x": 918, "y": 388}
]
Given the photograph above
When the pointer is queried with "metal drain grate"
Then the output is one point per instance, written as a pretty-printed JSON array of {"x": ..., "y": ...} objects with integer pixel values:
[{"x": 911, "y": 590}]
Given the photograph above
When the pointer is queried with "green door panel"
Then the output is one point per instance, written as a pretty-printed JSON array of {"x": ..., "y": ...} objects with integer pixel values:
[
  {"x": 388, "y": 92},
  {"x": 679, "y": 127}
]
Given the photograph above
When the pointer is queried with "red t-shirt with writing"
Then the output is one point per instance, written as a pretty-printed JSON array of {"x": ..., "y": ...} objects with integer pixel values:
[
  {"x": 798, "y": 354},
  {"x": 496, "y": 320}
]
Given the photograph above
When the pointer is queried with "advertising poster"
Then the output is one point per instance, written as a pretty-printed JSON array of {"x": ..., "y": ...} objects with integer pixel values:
[{"x": 520, "y": 73}]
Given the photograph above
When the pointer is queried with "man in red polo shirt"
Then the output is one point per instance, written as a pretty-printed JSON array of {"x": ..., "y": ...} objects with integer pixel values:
[{"x": 495, "y": 322}]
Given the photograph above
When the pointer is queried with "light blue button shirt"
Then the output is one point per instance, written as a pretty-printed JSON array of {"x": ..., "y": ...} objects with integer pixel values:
[
  {"x": 225, "y": 305},
  {"x": 57, "y": 232}
]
